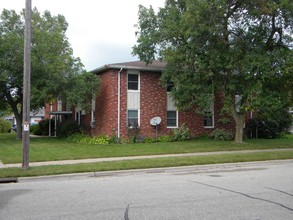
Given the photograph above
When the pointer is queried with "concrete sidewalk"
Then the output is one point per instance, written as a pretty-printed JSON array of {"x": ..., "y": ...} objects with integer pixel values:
[{"x": 96, "y": 160}]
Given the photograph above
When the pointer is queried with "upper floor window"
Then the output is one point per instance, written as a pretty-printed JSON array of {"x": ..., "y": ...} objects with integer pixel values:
[
  {"x": 132, "y": 82},
  {"x": 170, "y": 86}
]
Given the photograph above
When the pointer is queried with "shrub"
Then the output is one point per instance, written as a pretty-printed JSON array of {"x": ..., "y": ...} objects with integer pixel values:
[
  {"x": 149, "y": 140},
  {"x": 181, "y": 133},
  {"x": 221, "y": 134},
  {"x": 5, "y": 126},
  {"x": 34, "y": 128},
  {"x": 43, "y": 127},
  {"x": 164, "y": 138},
  {"x": 67, "y": 128},
  {"x": 267, "y": 128},
  {"x": 86, "y": 139}
]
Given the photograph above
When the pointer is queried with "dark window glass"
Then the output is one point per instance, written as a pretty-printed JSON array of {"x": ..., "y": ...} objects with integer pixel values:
[
  {"x": 208, "y": 119},
  {"x": 171, "y": 119},
  {"x": 132, "y": 81},
  {"x": 170, "y": 86}
]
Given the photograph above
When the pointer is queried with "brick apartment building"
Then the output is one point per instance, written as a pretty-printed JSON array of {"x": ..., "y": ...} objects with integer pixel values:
[{"x": 131, "y": 94}]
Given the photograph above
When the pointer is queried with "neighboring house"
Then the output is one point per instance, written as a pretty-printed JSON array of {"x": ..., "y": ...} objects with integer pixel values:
[
  {"x": 35, "y": 117},
  {"x": 131, "y": 94}
]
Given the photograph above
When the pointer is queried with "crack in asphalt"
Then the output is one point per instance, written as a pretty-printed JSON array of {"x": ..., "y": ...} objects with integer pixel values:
[
  {"x": 126, "y": 213},
  {"x": 243, "y": 194},
  {"x": 280, "y": 191}
]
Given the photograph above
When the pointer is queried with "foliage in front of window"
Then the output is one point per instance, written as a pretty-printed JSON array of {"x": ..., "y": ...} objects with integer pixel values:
[
  {"x": 208, "y": 119},
  {"x": 5, "y": 126},
  {"x": 224, "y": 121},
  {"x": 221, "y": 134},
  {"x": 67, "y": 128},
  {"x": 181, "y": 133}
]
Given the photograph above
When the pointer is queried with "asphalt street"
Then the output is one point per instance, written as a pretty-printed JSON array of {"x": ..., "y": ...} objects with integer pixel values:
[{"x": 251, "y": 191}]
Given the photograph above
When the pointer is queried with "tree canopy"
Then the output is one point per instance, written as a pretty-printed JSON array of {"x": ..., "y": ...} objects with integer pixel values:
[
  {"x": 239, "y": 48},
  {"x": 55, "y": 72}
]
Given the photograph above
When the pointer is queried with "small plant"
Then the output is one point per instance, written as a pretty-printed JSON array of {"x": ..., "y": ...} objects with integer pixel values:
[
  {"x": 133, "y": 134},
  {"x": 181, "y": 133},
  {"x": 221, "y": 134},
  {"x": 114, "y": 139},
  {"x": 100, "y": 140}
]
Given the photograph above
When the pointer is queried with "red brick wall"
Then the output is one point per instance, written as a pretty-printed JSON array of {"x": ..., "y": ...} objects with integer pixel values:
[
  {"x": 106, "y": 104},
  {"x": 153, "y": 102},
  {"x": 48, "y": 108}
]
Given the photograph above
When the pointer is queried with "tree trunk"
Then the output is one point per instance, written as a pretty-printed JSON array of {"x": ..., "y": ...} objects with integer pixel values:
[
  {"x": 19, "y": 127},
  {"x": 14, "y": 104},
  {"x": 18, "y": 118},
  {"x": 239, "y": 122}
]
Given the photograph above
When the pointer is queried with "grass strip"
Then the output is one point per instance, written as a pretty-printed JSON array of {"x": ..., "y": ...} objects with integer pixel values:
[
  {"x": 145, "y": 163},
  {"x": 51, "y": 149}
]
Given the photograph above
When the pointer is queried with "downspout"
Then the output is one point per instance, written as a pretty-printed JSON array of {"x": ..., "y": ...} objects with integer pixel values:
[{"x": 118, "y": 107}]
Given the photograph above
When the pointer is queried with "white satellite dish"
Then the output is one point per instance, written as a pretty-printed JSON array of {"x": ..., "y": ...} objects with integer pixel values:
[{"x": 155, "y": 121}]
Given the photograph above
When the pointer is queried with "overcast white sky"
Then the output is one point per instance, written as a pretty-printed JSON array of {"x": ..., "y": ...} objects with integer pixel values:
[{"x": 100, "y": 31}]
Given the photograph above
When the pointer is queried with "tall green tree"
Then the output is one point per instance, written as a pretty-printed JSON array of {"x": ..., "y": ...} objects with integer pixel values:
[
  {"x": 54, "y": 68},
  {"x": 241, "y": 49}
]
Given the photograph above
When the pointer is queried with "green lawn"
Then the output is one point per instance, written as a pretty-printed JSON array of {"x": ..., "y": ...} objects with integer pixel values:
[{"x": 47, "y": 149}]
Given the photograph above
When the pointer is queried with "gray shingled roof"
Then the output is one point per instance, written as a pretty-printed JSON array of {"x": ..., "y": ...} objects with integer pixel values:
[{"x": 156, "y": 66}]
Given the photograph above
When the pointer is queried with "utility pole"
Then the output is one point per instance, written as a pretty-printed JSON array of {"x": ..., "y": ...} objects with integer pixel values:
[{"x": 26, "y": 85}]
